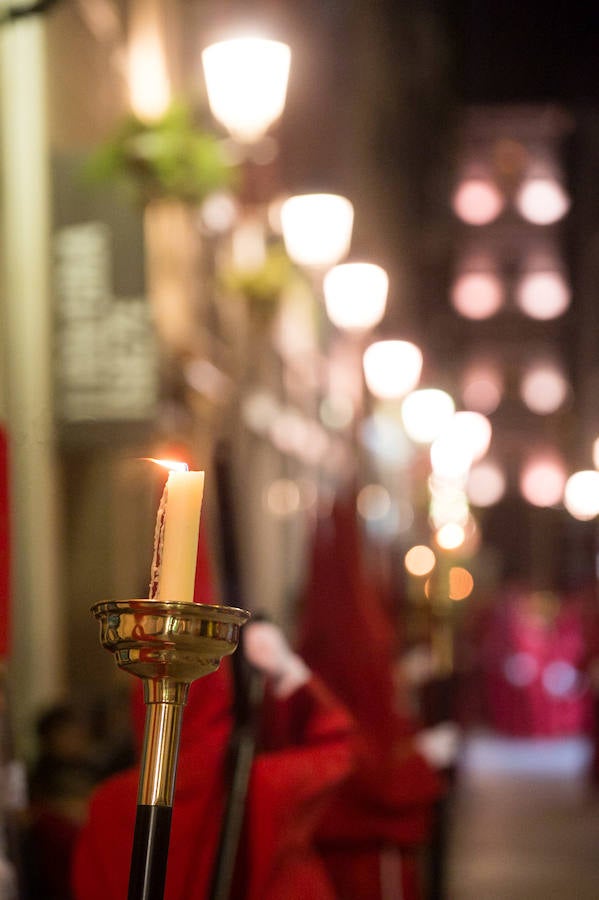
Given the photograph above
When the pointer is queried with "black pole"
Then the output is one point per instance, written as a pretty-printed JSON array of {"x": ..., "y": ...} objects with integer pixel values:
[
  {"x": 248, "y": 692},
  {"x": 149, "y": 856}
]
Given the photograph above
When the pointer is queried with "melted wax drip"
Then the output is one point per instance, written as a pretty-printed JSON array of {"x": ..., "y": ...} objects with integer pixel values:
[{"x": 158, "y": 547}]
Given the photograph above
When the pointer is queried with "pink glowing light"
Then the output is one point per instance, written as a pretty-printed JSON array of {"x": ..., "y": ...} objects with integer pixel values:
[
  {"x": 542, "y": 480},
  {"x": 482, "y": 387},
  {"x": 477, "y": 201},
  {"x": 544, "y": 388},
  {"x": 486, "y": 484},
  {"x": 477, "y": 295}
]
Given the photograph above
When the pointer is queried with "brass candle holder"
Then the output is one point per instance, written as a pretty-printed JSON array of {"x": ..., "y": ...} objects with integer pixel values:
[{"x": 168, "y": 644}]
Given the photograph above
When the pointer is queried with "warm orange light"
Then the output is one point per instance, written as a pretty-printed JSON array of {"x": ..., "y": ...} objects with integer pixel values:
[
  {"x": 173, "y": 465},
  {"x": 461, "y": 583}
]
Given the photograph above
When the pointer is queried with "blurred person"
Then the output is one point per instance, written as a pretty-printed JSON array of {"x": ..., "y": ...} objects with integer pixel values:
[
  {"x": 60, "y": 784},
  {"x": 375, "y": 836},
  {"x": 303, "y": 753}
]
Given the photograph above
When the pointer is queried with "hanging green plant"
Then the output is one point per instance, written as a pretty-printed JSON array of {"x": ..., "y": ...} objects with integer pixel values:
[
  {"x": 262, "y": 287},
  {"x": 169, "y": 158}
]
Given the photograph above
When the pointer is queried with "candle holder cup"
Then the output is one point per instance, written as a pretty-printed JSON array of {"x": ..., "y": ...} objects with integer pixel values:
[{"x": 168, "y": 644}]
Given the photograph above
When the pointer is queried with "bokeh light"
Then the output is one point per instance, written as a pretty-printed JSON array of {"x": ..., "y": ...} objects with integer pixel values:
[
  {"x": 218, "y": 212},
  {"x": 392, "y": 368},
  {"x": 461, "y": 583},
  {"x": 543, "y": 295},
  {"x": 482, "y": 387},
  {"x": 282, "y": 498},
  {"x": 544, "y": 388},
  {"x": 448, "y": 503},
  {"x": 425, "y": 413},
  {"x": 356, "y": 295},
  {"x": 542, "y": 200},
  {"x": 473, "y": 430},
  {"x": 336, "y": 411},
  {"x": 450, "y": 536},
  {"x": 450, "y": 457},
  {"x": 477, "y": 201},
  {"x": 373, "y": 501},
  {"x": 246, "y": 81},
  {"x": 486, "y": 484},
  {"x": 477, "y": 295},
  {"x": 317, "y": 228},
  {"x": 542, "y": 479},
  {"x": 581, "y": 494},
  {"x": 420, "y": 560}
]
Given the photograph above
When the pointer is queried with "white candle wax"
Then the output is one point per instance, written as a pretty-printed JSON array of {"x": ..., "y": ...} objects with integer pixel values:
[{"x": 176, "y": 538}]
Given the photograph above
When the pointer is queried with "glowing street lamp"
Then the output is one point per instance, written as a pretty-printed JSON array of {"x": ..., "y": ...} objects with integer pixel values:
[
  {"x": 317, "y": 228},
  {"x": 425, "y": 413},
  {"x": 246, "y": 80},
  {"x": 356, "y": 295},
  {"x": 392, "y": 368}
]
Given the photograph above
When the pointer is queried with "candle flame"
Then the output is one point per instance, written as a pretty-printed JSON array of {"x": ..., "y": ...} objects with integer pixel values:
[{"x": 172, "y": 464}]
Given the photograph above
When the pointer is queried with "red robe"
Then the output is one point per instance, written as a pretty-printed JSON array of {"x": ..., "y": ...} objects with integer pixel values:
[
  {"x": 385, "y": 809},
  {"x": 308, "y": 755}
]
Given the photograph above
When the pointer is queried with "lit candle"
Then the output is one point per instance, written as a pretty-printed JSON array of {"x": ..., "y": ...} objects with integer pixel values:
[{"x": 176, "y": 534}]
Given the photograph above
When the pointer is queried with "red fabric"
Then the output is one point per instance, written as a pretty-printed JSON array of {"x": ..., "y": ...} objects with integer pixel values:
[
  {"x": 4, "y": 547},
  {"x": 345, "y": 636},
  {"x": 53, "y": 837},
  {"x": 288, "y": 786},
  {"x": 204, "y": 590}
]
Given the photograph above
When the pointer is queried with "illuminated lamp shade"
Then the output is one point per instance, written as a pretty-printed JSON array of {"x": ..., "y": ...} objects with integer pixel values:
[
  {"x": 543, "y": 295},
  {"x": 596, "y": 453},
  {"x": 581, "y": 495},
  {"x": 477, "y": 295},
  {"x": 482, "y": 387},
  {"x": 392, "y": 368},
  {"x": 356, "y": 295},
  {"x": 246, "y": 80},
  {"x": 477, "y": 201},
  {"x": 472, "y": 430},
  {"x": 542, "y": 201},
  {"x": 420, "y": 560},
  {"x": 450, "y": 458},
  {"x": 425, "y": 413},
  {"x": 317, "y": 228},
  {"x": 542, "y": 480},
  {"x": 486, "y": 484},
  {"x": 544, "y": 388}
]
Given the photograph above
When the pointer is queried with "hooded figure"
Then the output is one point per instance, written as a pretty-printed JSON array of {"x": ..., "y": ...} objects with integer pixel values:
[
  {"x": 372, "y": 838},
  {"x": 305, "y": 754}
]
